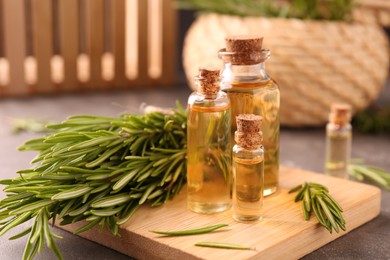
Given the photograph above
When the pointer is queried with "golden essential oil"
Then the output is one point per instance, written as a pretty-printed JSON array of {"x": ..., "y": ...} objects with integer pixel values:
[
  {"x": 248, "y": 169},
  {"x": 209, "y": 152},
  {"x": 338, "y": 153},
  {"x": 248, "y": 189},
  {"x": 261, "y": 99}
]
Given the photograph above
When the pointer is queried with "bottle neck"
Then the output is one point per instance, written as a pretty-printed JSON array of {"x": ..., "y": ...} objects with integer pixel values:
[
  {"x": 245, "y": 73},
  {"x": 209, "y": 88},
  {"x": 248, "y": 141},
  {"x": 197, "y": 97},
  {"x": 339, "y": 128},
  {"x": 208, "y": 97}
]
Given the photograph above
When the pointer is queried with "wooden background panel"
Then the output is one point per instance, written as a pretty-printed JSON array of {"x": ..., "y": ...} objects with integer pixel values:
[
  {"x": 169, "y": 43},
  {"x": 15, "y": 45},
  {"x": 67, "y": 45},
  {"x": 142, "y": 76},
  {"x": 155, "y": 36},
  {"x": 118, "y": 41},
  {"x": 42, "y": 24},
  {"x": 69, "y": 22},
  {"x": 95, "y": 41}
]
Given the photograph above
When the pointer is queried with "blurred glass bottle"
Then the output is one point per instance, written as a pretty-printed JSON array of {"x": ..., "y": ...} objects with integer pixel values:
[
  {"x": 208, "y": 144},
  {"x": 248, "y": 169},
  {"x": 252, "y": 91},
  {"x": 338, "y": 141}
]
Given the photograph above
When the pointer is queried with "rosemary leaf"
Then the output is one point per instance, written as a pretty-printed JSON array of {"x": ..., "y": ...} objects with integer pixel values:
[
  {"x": 224, "y": 245},
  {"x": 71, "y": 194}
]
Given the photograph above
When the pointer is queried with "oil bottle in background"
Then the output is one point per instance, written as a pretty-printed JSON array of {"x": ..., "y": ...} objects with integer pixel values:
[
  {"x": 252, "y": 91},
  {"x": 338, "y": 141},
  {"x": 209, "y": 147}
]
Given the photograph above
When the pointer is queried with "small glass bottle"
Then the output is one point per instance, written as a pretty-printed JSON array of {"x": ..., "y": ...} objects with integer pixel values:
[
  {"x": 338, "y": 141},
  {"x": 252, "y": 91},
  {"x": 248, "y": 169},
  {"x": 208, "y": 145}
]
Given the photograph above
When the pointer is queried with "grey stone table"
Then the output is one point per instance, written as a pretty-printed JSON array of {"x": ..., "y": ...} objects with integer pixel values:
[{"x": 303, "y": 148}]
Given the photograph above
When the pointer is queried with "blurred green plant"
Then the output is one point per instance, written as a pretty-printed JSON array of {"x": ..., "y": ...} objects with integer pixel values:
[
  {"x": 363, "y": 172},
  {"x": 235, "y": 7},
  {"x": 303, "y": 9},
  {"x": 373, "y": 120},
  {"x": 19, "y": 125}
]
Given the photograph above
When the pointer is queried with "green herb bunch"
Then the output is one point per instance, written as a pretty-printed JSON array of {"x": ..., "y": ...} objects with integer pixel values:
[
  {"x": 302, "y": 9},
  {"x": 98, "y": 169},
  {"x": 316, "y": 198}
]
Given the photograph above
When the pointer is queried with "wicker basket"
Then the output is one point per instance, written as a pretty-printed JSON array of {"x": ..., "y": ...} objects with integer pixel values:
[
  {"x": 315, "y": 63},
  {"x": 372, "y": 12}
]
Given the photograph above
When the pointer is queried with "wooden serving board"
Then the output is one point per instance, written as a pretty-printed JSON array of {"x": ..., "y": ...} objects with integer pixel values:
[{"x": 283, "y": 232}]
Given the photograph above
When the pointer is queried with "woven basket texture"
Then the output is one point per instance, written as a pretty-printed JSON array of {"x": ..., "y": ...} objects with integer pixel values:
[
  {"x": 315, "y": 63},
  {"x": 372, "y": 12}
]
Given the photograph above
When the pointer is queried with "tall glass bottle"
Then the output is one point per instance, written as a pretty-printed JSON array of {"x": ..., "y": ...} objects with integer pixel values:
[
  {"x": 209, "y": 148},
  {"x": 338, "y": 141},
  {"x": 252, "y": 91},
  {"x": 248, "y": 169}
]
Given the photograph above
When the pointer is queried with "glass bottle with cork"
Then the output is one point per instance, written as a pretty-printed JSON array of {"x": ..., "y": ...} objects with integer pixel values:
[
  {"x": 252, "y": 91},
  {"x": 338, "y": 141},
  {"x": 208, "y": 144},
  {"x": 248, "y": 169}
]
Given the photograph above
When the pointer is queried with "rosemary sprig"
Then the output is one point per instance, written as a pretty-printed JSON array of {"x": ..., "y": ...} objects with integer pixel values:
[
  {"x": 376, "y": 175},
  {"x": 98, "y": 169},
  {"x": 316, "y": 198}
]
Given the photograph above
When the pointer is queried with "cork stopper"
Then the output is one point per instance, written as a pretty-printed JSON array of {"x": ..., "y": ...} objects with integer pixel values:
[
  {"x": 244, "y": 50},
  {"x": 243, "y": 43},
  {"x": 340, "y": 114},
  {"x": 208, "y": 81},
  {"x": 209, "y": 73},
  {"x": 248, "y": 134}
]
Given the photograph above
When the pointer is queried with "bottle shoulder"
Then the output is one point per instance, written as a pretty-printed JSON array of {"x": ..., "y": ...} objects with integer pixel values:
[
  {"x": 335, "y": 128},
  {"x": 334, "y": 131},
  {"x": 251, "y": 86},
  {"x": 199, "y": 99},
  {"x": 247, "y": 75},
  {"x": 243, "y": 153},
  {"x": 200, "y": 103}
]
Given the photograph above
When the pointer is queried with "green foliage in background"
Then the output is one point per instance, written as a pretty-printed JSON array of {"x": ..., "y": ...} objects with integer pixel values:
[
  {"x": 373, "y": 121},
  {"x": 29, "y": 125},
  {"x": 334, "y": 10}
]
